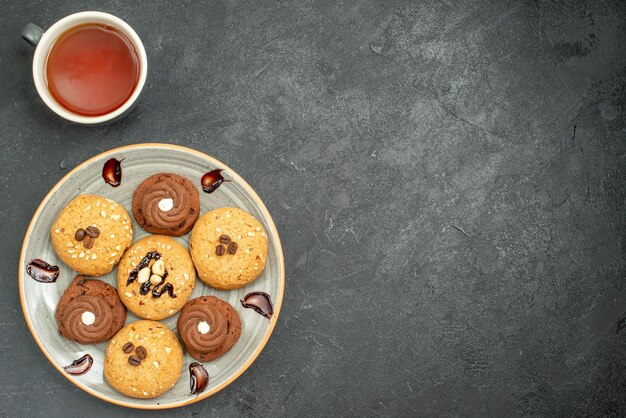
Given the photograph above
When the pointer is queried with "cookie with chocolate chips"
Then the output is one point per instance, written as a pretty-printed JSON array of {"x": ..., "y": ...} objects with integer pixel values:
[
  {"x": 89, "y": 311},
  {"x": 166, "y": 204}
]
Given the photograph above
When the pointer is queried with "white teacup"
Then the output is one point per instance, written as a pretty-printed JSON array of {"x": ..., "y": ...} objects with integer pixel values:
[{"x": 44, "y": 40}]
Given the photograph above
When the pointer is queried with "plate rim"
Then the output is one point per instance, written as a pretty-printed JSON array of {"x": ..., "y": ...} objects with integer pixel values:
[{"x": 277, "y": 302}]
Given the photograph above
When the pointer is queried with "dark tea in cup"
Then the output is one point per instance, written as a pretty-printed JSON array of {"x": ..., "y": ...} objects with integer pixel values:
[
  {"x": 92, "y": 69},
  {"x": 89, "y": 67}
]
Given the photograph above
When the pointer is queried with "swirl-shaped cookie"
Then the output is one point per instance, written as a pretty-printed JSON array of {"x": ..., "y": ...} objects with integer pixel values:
[
  {"x": 87, "y": 319},
  {"x": 209, "y": 327},
  {"x": 166, "y": 204},
  {"x": 89, "y": 311}
]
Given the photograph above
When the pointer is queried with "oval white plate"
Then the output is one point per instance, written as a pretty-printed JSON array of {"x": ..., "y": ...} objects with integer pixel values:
[{"x": 140, "y": 161}]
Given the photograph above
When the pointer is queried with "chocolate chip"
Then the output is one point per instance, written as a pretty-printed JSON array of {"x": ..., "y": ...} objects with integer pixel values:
[
  {"x": 232, "y": 247},
  {"x": 92, "y": 231},
  {"x": 128, "y": 347},
  {"x": 224, "y": 239},
  {"x": 134, "y": 361},
  {"x": 88, "y": 242},
  {"x": 80, "y": 234},
  {"x": 141, "y": 352},
  {"x": 220, "y": 250}
]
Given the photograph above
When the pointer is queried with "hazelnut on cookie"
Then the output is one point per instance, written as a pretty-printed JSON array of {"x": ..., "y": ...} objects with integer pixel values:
[{"x": 155, "y": 277}]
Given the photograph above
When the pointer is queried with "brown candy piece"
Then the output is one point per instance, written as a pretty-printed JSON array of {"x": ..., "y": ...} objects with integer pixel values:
[
  {"x": 232, "y": 247},
  {"x": 141, "y": 352},
  {"x": 42, "y": 271},
  {"x": 80, "y": 234},
  {"x": 92, "y": 231},
  {"x": 88, "y": 242},
  {"x": 260, "y": 302},
  {"x": 212, "y": 180},
  {"x": 224, "y": 239},
  {"x": 134, "y": 361},
  {"x": 112, "y": 172},
  {"x": 220, "y": 250},
  {"x": 198, "y": 378},
  {"x": 80, "y": 366},
  {"x": 128, "y": 347}
]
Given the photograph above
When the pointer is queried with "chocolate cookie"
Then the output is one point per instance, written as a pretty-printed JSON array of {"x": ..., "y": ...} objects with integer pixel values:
[
  {"x": 209, "y": 327},
  {"x": 166, "y": 204},
  {"x": 89, "y": 311}
]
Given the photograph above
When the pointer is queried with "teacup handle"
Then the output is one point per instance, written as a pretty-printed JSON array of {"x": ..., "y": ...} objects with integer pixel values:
[{"x": 32, "y": 34}]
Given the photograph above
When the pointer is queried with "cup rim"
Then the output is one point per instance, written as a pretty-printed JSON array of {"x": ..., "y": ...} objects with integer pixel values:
[{"x": 63, "y": 25}]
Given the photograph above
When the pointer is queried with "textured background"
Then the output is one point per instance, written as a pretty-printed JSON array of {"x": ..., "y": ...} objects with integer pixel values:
[{"x": 448, "y": 181}]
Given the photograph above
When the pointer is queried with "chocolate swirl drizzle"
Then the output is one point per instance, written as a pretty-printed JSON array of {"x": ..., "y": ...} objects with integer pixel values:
[
  {"x": 87, "y": 334},
  {"x": 188, "y": 328}
]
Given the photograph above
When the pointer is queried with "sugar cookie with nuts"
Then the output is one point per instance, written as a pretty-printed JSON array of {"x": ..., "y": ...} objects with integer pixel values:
[
  {"x": 91, "y": 233},
  {"x": 143, "y": 360},
  {"x": 155, "y": 277},
  {"x": 228, "y": 247}
]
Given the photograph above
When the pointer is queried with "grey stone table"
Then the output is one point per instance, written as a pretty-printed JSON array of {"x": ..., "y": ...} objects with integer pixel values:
[{"x": 447, "y": 179}]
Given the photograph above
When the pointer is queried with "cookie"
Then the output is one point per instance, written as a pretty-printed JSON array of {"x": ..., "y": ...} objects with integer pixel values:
[
  {"x": 155, "y": 277},
  {"x": 209, "y": 327},
  {"x": 89, "y": 311},
  {"x": 228, "y": 247},
  {"x": 143, "y": 360},
  {"x": 91, "y": 233},
  {"x": 166, "y": 204}
]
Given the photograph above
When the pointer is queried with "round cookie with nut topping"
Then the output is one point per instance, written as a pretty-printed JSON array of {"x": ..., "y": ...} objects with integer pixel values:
[
  {"x": 155, "y": 277},
  {"x": 228, "y": 247},
  {"x": 143, "y": 360},
  {"x": 91, "y": 233}
]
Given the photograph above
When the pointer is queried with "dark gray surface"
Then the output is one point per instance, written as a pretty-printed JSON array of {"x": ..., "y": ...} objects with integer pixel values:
[{"x": 448, "y": 181}]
